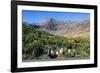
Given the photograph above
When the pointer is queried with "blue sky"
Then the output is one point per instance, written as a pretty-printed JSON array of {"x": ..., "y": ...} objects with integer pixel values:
[{"x": 31, "y": 16}]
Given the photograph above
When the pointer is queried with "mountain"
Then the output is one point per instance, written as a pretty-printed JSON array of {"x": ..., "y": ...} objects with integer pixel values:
[
  {"x": 68, "y": 28},
  {"x": 80, "y": 29}
]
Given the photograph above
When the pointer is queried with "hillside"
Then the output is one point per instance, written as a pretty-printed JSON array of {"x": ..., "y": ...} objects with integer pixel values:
[{"x": 36, "y": 43}]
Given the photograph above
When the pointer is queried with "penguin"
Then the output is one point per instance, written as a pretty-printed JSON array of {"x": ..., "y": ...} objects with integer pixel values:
[{"x": 51, "y": 54}]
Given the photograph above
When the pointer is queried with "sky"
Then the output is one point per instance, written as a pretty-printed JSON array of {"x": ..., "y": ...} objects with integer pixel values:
[{"x": 31, "y": 16}]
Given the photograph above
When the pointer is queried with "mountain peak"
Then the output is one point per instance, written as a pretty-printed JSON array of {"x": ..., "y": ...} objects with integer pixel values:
[{"x": 50, "y": 23}]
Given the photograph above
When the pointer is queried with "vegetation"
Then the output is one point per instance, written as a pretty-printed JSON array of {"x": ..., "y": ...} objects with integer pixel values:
[{"x": 36, "y": 44}]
